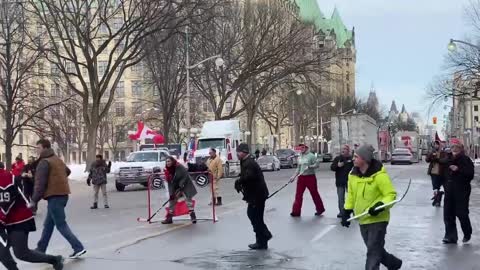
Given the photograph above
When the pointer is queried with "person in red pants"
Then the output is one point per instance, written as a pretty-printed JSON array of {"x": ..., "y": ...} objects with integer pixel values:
[{"x": 306, "y": 179}]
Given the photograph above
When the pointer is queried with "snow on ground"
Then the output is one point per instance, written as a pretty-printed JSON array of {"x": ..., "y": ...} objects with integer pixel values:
[{"x": 79, "y": 174}]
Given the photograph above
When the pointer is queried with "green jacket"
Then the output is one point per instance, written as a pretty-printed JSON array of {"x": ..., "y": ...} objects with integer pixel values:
[
  {"x": 307, "y": 163},
  {"x": 366, "y": 190}
]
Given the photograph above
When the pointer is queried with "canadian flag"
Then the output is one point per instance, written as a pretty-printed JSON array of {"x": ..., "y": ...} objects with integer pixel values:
[{"x": 144, "y": 132}]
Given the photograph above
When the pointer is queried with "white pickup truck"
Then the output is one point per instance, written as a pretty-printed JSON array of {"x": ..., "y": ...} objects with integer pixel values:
[{"x": 139, "y": 166}]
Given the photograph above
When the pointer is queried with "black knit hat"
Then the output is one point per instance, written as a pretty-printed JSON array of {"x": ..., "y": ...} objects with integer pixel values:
[{"x": 243, "y": 147}]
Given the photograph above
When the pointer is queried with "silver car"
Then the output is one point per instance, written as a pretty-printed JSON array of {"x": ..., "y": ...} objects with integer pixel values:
[
  {"x": 402, "y": 155},
  {"x": 269, "y": 163}
]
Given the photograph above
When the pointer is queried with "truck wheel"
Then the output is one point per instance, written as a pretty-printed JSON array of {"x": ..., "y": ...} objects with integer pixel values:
[
  {"x": 120, "y": 187},
  {"x": 145, "y": 184}
]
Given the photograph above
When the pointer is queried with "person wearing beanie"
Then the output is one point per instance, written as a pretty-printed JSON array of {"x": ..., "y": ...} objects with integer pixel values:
[
  {"x": 342, "y": 165},
  {"x": 255, "y": 192},
  {"x": 306, "y": 179},
  {"x": 436, "y": 172},
  {"x": 369, "y": 187},
  {"x": 459, "y": 172}
]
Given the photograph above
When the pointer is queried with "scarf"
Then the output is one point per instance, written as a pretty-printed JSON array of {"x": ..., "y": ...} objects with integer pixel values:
[{"x": 170, "y": 171}]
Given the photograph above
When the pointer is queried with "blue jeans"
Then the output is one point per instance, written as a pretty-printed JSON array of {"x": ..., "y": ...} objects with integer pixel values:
[{"x": 56, "y": 218}]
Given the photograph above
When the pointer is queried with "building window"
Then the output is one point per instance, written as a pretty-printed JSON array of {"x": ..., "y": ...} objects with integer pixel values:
[
  {"x": 136, "y": 107},
  {"x": 102, "y": 68},
  {"x": 117, "y": 23},
  {"x": 20, "y": 137},
  {"x": 207, "y": 107},
  {"x": 41, "y": 68},
  {"x": 71, "y": 68},
  {"x": 347, "y": 77},
  {"x": 41, "y": 90},
  {"x": 228, "y": 105},
  {"x": 120, "y": 109},
  {"x": 120, "y": 90},
  {"x": 137, "y": 90},
  {"x": 106, "y": 156},
  {"x": 55, "y": 90},
  {"x": 475, "y": 108},
  {"x": 103, "y": 29},
  {"x": 120, "y": 133},
  {"x": 138, "y": 68},
  {"x": 476, "y": 118},
  {"x": 84, "y": 156},
  {"x": 54, "y": 70}
]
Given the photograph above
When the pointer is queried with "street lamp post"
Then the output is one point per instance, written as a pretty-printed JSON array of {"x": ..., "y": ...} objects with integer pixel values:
[
  {"x": 299, "y": 92},
  {"x": 218, "y": 62},
  {"x": 332, "y": 103}
]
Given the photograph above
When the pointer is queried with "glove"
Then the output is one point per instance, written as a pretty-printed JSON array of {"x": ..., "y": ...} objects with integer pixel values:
[
  {"x": 238, "y": 186},
  {"x": 374, "y": 212},
  {"x": 346, "y": 215},
  {"x": 33, "y": 206},
  {"x": 89, "y": 182}
]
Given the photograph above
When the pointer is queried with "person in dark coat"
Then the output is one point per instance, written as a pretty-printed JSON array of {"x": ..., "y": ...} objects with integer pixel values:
[
  {"x": 436, "y": 172},
  {"x": 179, "y": 182},
  {"x": 342, "y": 165},
  {"x": 255, "y": 193},
  {"x": 264, "y": 152},
  {"x": 257, "y": 153},
  {"x": 98, "y": 177},
  {"x": 459, "y": 173},
  {"x": 28, "y": 177}
]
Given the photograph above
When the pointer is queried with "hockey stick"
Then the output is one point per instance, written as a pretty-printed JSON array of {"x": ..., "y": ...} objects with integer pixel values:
[
  {"x": 385, "y": 205},
  {"x": 156, "y": 212},
  {"x": 288, "y": 183}
]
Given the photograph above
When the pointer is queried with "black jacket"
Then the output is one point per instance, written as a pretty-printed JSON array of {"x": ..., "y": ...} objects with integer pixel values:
[
  {"x": 341, "y": 173},
  {"x": 252, "y": 181},
  {"x": 30, "y": 167},
  {"x": 463, "y": 176}
]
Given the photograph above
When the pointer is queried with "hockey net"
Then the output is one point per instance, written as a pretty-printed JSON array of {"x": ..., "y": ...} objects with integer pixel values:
[{"x": 158, "y": 196}]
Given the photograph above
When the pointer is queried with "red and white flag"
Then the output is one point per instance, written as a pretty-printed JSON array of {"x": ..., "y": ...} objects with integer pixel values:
[{"x": 143, "y": 132}]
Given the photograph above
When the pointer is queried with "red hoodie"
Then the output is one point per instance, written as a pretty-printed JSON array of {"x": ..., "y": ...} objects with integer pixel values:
[
  {"x": 13, "y": 208},
  {"x": 17, "y": 168}
]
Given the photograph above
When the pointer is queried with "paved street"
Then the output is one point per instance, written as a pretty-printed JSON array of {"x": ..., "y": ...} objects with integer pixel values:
[{"x": 116, "y": 240}]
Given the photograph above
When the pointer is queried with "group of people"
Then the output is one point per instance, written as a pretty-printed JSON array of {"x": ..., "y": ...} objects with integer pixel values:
[
  {"x": 17, "y": 210},
  {"x": 454, "y": 171}
]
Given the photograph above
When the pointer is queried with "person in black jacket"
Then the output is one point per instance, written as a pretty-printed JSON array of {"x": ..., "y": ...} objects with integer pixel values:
[
  {"x": 28, "y": 177},
  {"x": 459, "y": 173},
  {"x": 436, "y": 172},
  {"x": 342, "y": 165},
  {"x": 255, "y": 193}
]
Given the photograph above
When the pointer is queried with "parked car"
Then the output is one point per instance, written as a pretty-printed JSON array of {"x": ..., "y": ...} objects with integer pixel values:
[
  {"x": 402, "y": 155},
  {"x": 269, "y": 163},
  {"x": 139, "y": 167},
  {"x": 288, "y": 158},
  {"x": 327, "y": 157}
]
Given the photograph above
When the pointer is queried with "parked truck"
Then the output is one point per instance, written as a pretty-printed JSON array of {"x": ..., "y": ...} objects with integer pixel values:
[
  {"x": 353, "y": 129},
  {"x": 410, "y": 140}
]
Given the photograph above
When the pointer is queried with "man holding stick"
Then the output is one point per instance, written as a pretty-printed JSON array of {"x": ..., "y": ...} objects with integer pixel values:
[{"x": 369, "y": 187}]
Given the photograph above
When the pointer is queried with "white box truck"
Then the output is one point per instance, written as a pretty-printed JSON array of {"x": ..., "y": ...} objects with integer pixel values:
[
  {"x": 225, "y": 136},
  {"x": 353, "y": 129}
]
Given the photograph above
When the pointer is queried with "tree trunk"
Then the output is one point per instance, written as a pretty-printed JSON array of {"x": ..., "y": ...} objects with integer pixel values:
[
  {"x": 91, "y": 143},
  {"x": 8, "y": 154}
]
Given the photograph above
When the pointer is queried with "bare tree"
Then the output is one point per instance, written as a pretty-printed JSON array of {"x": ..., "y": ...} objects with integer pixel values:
[
  {"x": 21, "y": 99},
  {"x": 93, "y": 42}
]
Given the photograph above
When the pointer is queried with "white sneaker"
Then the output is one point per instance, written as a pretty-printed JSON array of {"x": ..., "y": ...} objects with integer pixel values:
[{"x": 77, "y": 254}]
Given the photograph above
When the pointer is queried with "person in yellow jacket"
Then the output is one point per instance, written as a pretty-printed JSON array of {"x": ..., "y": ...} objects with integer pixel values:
[
  {"x": 369, "y": 187},
  {"x": 215, "y": 167}
]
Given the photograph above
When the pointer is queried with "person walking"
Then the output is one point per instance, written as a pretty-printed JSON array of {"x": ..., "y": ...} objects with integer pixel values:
[
  {"x": 215, "y": 167},
  {"x": 16, "y": 223},
  {"x": 436, "y": 172},
  {"x": 179, "y": 183},
  {"x": 28, "y": 177},
  {"x": 459, "y": 173},
  {"x": 98, "y": 177},
  {"x": 255, "y": 192},
  {"x": 369, "y": 187},
  {"x": 257, "y": 154},
  {"x": 306, "y": 180},
  {"x": 342, "y": 165},
  {"x": 51, "y": 184},
  {"x": 17, "y": 169}
]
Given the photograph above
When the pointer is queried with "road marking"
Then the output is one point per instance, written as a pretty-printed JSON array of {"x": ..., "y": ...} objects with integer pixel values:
[{"x": 323, "y": 232}]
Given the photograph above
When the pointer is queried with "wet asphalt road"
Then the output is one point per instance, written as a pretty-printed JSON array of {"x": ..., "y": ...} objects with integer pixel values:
[{"x": 115, "y": 240}]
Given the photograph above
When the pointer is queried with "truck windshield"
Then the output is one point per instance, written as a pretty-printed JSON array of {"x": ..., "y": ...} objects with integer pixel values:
[
  {"x": 143, "y": 157},
  {"x": 211, "y": 143}
]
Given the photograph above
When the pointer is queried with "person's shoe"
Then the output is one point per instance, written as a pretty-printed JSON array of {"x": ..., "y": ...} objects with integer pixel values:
[
  {"x": 106, "y": 206},
  {"x": 258, "y": 246},
  {"x": 58, "y": 264},
  {"x": 339, "y": 215},
  {"x": 269, "y": 236},
  {"x": 449, "y": 241},
  {"x": 77, "y": 254},
  {"x": 294, "y": 215},
  {"x": 95, "y": 206},
  {"x": 317, "y": 214},
  {"x": 466, "y": 239},
  {"x": 219, "y": 201},
  {"x": 168, "y": 219},
  {"x": 399, "y": 266},
  {"x": 193, "y": 217}
]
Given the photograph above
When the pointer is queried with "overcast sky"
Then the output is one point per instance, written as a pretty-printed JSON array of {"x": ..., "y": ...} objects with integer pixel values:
[{"x": 400, "y": 44}]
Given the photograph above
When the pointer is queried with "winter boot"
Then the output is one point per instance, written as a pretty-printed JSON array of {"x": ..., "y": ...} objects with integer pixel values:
[
  {"x": 95, "y": 206},
  {"x": 168, "y": 219},
  {"x": 258, "y": 246},
  {"x": 106, "y": 206},
  {"x": 58, "y": 264},
  {"x": 219, "y": 201},
  {"x": 193, "y": 217}
]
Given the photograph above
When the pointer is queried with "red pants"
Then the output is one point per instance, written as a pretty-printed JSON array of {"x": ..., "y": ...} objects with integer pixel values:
[{"x": 310, "y": 182}]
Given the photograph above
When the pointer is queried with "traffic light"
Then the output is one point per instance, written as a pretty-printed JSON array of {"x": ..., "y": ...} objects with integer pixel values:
[{"x": 434, "y": 120}]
